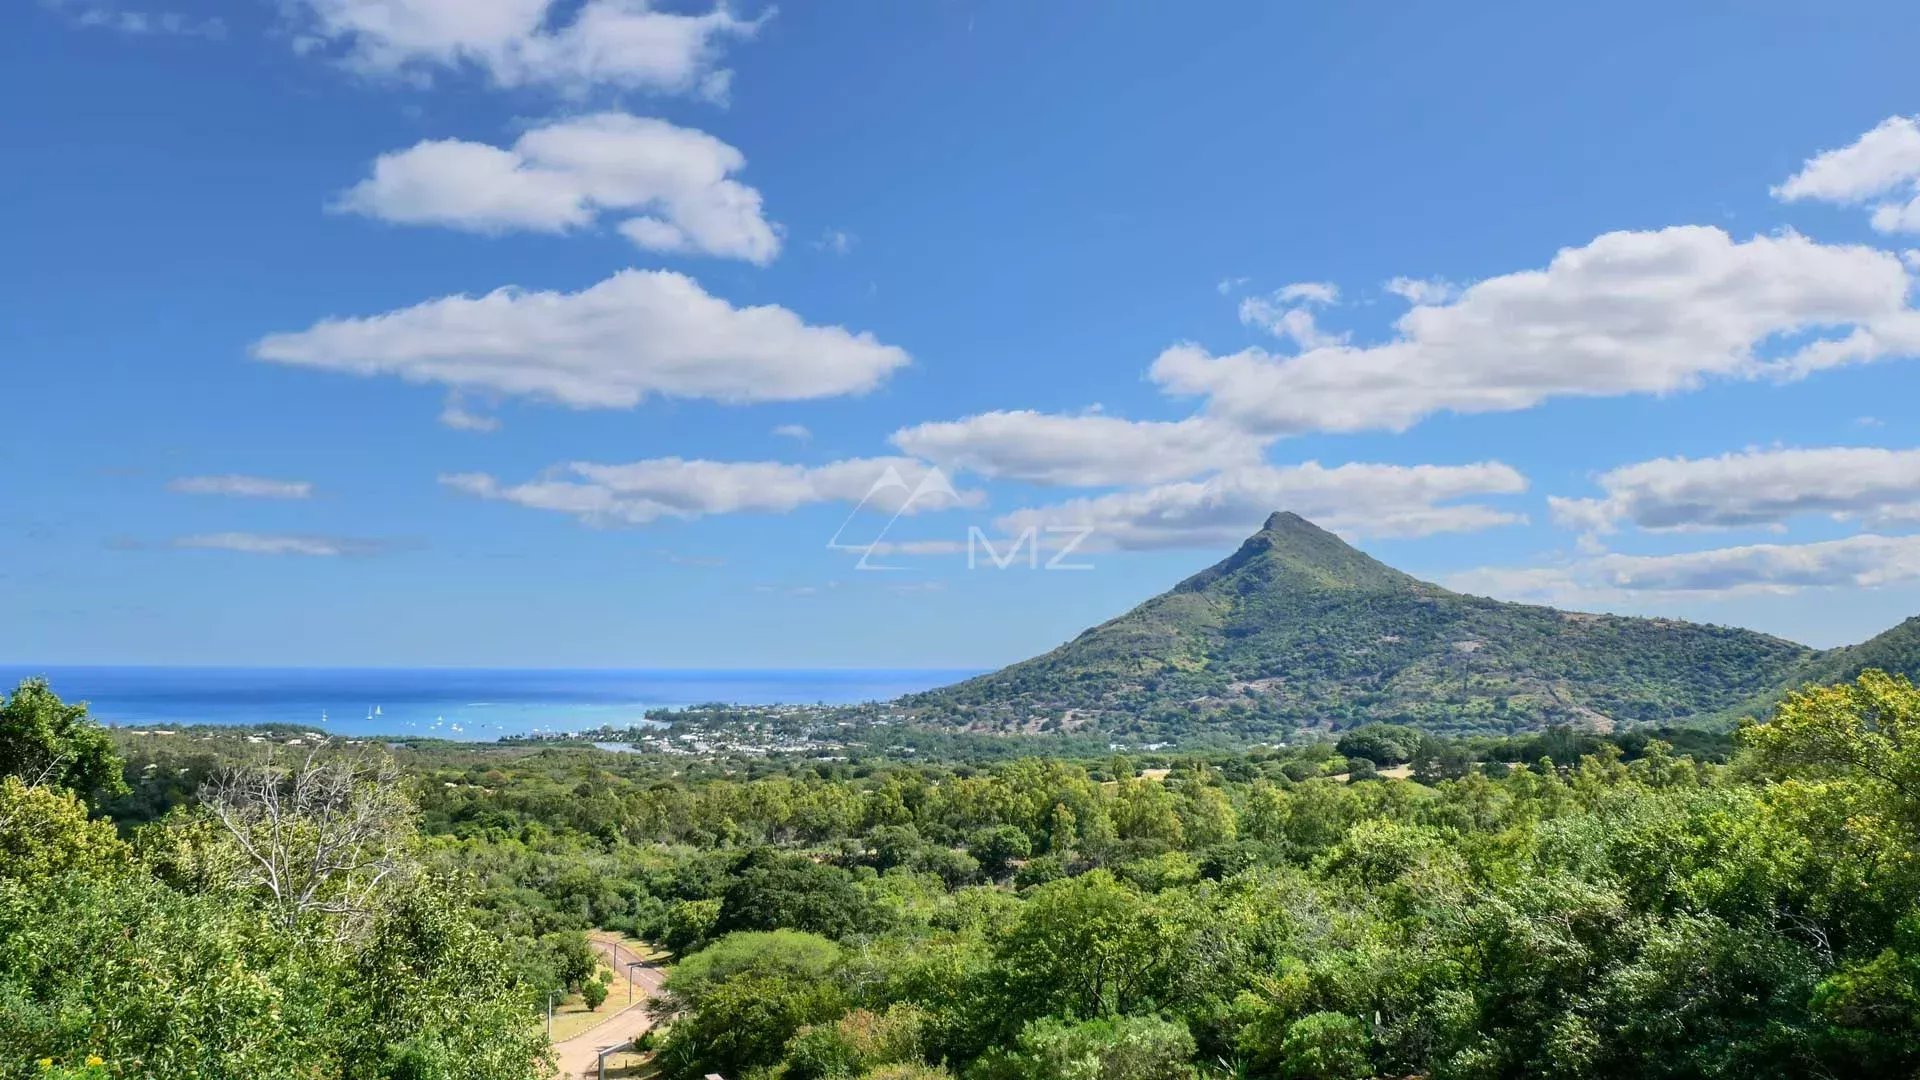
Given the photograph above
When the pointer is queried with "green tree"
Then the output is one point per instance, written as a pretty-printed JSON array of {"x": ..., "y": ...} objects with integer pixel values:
[
  {"x": 45, "y": 833},
  {"x": 1382, "y": 744},
  {"x": 689, "y": 924},
  {"x": 998, "y": 848},
  {"x": 772, "y": 891},
  {"x": 1868, "y": 730},
  {"x": 44, "y": 740},
  {"x": 1087, "y": 946}
]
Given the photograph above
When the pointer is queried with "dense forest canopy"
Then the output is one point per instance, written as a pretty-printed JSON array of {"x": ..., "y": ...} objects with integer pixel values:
[{"x": 1561, "y": 904}]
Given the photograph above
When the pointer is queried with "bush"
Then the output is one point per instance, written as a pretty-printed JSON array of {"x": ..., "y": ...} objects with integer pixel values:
[
  {"x": 1040, "y": 871},
  {"x": 1118, "y": 1048},
  {"x": 1325, "y": 1046}
]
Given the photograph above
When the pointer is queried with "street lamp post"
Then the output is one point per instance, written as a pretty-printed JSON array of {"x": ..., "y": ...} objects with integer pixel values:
[
  {"x": 551, "y": 994},
  {"x": 631, "y": 964}
]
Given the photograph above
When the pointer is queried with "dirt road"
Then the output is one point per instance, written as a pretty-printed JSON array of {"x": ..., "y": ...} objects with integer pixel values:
[{"x": 579, "y": 1055}]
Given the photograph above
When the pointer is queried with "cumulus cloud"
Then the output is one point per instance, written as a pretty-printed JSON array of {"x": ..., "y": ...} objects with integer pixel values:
[
  {"x": 605, "y": 347},
  {"x": 1752, "y": 488},
  {"x": 245, "y": 487},
  {"x": 623, "y": 44},
  {"x": 282, "y": 544},
  {"x": 563, "y": 176},
  {"x": 1864, "y": 561},
  {"x": 1881, "y": 167},
  {"x": 641, "y": 492},
  {"x": 1286, "y": 313},
  {"x": 1423, "y": 290},
  {"x": 1355, "y": 499},
  {"x": 1088, "y": 450},
  {"x": 1629, "y": 313}
]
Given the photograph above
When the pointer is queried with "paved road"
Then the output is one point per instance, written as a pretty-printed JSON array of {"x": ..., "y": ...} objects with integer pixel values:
[{"x": 579, "y": 1055}]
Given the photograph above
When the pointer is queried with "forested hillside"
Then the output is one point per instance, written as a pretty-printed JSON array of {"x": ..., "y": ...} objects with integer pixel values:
[
  {"x": 1298, "y": 629},
  {"x": 1555, "y": 905}
]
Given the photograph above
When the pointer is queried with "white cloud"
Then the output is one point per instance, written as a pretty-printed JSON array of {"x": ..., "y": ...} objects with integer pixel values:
[
  {"x": 1882, "y": 167},
  {"x": 564, "y": 175},
  {"x": 624, "y": 44},
  {"x": 1355, "y": 499},
  {"x": 271, "y": 544},
  {"x": 1630, "y": 313},
  {"x": 645, "y": 491},
  {"x": 245, "y": 487},
  {"x": 457, "y": 416},
  {"x": 1897, "y": 217},
  {"x": 1557, "y": 586},
  {"x": 97, "y": 15},
  {"x": 1423, "y": 290},
  {"x": 1081, "y": 451},
  {"x": 607, "y": 346},
  {"x": 836, "y": 241},
  {"x": 1286, "y": 313},
  {"x": 1863, "y": 561},
  {"x": 1308, "y": 292},
  {"x": 1753, "y": 488},
  {"x": 1229, "y": 285},
  {"x": 1866, "y": 560},
  {"x": 796, "y": 432}
]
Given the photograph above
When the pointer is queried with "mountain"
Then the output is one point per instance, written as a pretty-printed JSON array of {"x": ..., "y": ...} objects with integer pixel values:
[{"x": 1299, "y": 629}]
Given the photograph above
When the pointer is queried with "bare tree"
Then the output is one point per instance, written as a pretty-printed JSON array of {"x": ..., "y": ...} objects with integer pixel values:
[{"x": 320, "y": 837}]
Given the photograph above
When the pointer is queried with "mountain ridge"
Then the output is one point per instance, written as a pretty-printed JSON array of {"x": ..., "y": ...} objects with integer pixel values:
[{"x": 1299, "y": 629}]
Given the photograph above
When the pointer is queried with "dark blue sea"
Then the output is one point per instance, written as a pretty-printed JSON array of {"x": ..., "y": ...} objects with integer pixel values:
[{"x": 452, "y": 703}]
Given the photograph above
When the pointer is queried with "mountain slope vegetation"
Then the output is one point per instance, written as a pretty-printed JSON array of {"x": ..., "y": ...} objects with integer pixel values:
[{"x": 1298, "y": 629}]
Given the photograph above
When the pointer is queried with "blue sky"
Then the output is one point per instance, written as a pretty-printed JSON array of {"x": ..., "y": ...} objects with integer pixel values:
[{"x": 1607, "y": 308}]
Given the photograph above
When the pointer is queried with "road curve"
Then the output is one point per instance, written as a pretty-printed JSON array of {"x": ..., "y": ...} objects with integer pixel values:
[{"x": 579, "y": 1056}]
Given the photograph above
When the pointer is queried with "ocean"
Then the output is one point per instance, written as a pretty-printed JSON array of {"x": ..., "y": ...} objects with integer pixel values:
[{"x": 474, "y": 704}]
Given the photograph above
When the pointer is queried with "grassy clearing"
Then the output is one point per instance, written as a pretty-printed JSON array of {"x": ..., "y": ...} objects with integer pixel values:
[{"x": 571, "y": 1015}]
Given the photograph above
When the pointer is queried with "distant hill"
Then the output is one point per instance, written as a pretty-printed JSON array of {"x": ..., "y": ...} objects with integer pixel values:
[{"x": 1300, "y": 629}]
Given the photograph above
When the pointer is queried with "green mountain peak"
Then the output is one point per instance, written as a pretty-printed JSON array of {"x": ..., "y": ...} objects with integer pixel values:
[
  {"x": 1300, "y": 629},
  {"x": 1291, "y": 552}
]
